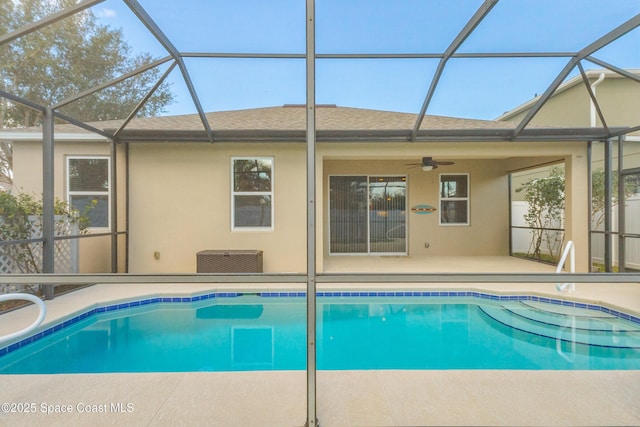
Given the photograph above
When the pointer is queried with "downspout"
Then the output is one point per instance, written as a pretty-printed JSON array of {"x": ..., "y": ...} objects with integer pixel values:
[{"x": 592, "y": 109}]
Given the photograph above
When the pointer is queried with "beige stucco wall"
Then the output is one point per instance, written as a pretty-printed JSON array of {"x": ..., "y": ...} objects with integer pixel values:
[
  {"x": 618, "y": 99},
  {"x": 95, "y": 253},
  {"x": 180, "y": 204},
  {"x": 489, "y": 207},
  {"x": 577, "y": 215},
  {"x": 488, "y": 165},
  {"x": 179, "y": 197}
]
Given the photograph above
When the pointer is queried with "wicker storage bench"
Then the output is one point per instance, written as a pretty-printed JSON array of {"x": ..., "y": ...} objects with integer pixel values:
[{"x": 229, "y": 261}]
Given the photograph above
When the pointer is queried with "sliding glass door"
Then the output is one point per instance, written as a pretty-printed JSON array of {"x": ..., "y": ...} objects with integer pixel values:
[{"x": 367, "y": 214}]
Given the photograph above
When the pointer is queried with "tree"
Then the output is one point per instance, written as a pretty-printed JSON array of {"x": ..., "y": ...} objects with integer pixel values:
[
  {"x": 21, "y": 220},
  {"x": 545, "y": 197},
  {"x": 597, "y": 195},
  {"x": 64, "y": 59}
]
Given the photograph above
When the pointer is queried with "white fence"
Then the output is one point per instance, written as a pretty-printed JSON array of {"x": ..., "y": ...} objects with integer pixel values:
[
  {"x": 632, "y": 246},
  {"x": 521, "y": 237},
  {"x": 27, "y": 257}
]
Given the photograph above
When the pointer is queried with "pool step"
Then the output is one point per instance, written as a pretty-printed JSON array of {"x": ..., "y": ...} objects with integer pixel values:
[
  {"x": 566, "y": 310},
  {"x": 603, "y": 332},
  {"x": 580, "y": 318}
]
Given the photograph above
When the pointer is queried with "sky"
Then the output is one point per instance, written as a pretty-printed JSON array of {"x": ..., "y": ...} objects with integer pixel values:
[{"x": 472, "y": 88}]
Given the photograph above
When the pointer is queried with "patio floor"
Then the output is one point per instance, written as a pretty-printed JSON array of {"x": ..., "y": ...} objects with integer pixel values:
[
  {"x": 344, "y": 398},
  {"x": 433, "y": 264}
]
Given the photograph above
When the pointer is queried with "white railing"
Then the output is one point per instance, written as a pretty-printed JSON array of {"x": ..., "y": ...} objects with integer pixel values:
[
  {"x": 27, "y": 297},
  {"x": 569, "y": 249},
  {"x": 572, "y": 328}
]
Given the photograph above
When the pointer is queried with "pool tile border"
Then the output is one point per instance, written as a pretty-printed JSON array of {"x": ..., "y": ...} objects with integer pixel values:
[{"x": 331, "y": 294}]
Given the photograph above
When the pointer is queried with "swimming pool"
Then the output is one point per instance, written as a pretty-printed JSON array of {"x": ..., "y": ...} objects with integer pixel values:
[{"x": 355, "y": 330}]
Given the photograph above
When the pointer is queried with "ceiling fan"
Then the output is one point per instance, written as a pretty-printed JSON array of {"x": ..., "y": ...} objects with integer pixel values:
[{"x": 428, "y": 164}]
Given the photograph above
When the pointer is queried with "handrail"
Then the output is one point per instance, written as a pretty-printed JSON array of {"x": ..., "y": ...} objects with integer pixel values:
[
  {"x": 28, "y": 297},
  {"x": 568, "y": 249},
  {"x": 559, "y": 350}
]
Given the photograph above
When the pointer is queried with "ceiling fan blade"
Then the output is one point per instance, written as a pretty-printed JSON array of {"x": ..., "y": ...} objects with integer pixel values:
[{"x": 428, "y": 163}]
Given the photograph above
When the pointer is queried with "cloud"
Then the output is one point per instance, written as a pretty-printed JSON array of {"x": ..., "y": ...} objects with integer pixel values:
[{"x": 106, "y": 13}]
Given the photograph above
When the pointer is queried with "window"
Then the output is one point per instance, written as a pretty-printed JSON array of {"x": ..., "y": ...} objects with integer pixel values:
[
  {"x": 89, "y": 188},
  {"x": 367, "y": 214},
  {"x": 454, "y": 199},
  {"x": 252, "y": 193}
]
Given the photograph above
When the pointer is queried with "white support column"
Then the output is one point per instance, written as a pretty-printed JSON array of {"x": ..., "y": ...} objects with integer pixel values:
[{"x": 577, "y": 215}]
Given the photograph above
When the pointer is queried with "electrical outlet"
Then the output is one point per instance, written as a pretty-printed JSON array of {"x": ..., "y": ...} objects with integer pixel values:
[{"x": 156, "y": 255}]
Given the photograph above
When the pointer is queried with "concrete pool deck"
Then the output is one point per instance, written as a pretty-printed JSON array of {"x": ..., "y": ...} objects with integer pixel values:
[{"x": 344, "y": 398}]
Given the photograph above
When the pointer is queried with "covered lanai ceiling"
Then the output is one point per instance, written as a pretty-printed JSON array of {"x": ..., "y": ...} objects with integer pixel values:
[{"x": 461, "y": 58}]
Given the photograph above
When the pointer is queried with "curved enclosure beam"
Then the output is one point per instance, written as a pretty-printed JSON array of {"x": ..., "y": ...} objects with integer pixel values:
[
  {"x": 151, "y": 25},
  {"x": 584, "y": 53},
  {"x": 49, "y": 20},
  {"x": 613, "y": 68},
  {"x": 592, "y": 96},
  {"x": 132, "y": 115},
  {"x": 475, "y": 20},
  {"x": 123, "y": 77}
]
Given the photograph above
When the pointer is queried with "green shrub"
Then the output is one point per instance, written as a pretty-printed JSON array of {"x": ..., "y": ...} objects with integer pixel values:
[{"x": 18, "y": 222}]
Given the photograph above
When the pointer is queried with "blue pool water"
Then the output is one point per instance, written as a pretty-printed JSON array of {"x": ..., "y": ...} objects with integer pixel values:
[{"x": 251, "y": 332}]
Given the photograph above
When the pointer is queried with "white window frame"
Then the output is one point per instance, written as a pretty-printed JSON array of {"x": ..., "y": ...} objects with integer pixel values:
[
  {"x": 107, "y": 193},
  {"x": 467, "y": 199},
  {"x": 252, "y": 193}
]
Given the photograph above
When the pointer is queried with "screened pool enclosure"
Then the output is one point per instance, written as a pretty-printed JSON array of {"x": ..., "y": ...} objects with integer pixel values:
[{"x": 303, "y": 126}]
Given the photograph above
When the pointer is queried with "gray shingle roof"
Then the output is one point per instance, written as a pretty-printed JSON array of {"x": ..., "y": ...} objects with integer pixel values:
[
  {"x": 288, "y": 123},
  {"x": 292, "y": 117}
]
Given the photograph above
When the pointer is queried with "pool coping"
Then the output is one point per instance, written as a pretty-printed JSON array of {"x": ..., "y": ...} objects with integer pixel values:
[{"x": 57, "y": 324}]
